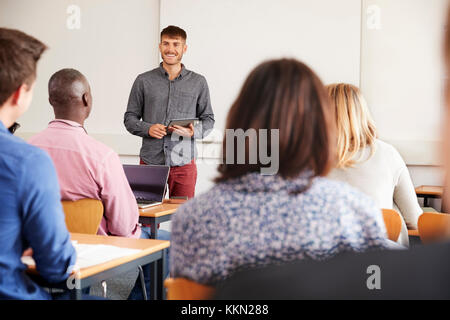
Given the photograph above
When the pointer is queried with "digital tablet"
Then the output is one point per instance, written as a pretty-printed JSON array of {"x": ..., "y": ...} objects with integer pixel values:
[{"x": 183, "y": 122}]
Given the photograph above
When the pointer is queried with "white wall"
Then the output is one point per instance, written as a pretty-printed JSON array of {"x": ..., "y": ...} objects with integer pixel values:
[
  {"x": 116, "y": 41},
  {"x": 402, "y": 71},
  {"x": 226, "y": 39}
]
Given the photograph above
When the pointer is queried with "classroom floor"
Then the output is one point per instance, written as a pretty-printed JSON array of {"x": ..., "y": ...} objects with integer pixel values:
[{"x": 117, "y": 288}]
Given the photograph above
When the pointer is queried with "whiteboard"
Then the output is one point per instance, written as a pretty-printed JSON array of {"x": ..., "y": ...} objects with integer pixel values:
[
  {"x": 227, "y": 39},
  {"x": 114, "y": 41}
]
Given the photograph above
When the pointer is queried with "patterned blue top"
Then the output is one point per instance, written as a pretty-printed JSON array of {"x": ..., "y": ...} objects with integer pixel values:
[{"x": 256, "y": 220}]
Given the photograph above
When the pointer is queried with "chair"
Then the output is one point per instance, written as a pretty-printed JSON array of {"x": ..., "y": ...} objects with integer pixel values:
[
  {"x": 83, "y": 216},
  {"x": 393, "y": 223},
  {"x": 434, "y": 227},
  {"x": 184, "y": 289}
]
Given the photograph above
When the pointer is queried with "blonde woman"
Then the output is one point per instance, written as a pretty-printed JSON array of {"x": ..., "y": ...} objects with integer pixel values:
[{"x": 369, "y": 164}]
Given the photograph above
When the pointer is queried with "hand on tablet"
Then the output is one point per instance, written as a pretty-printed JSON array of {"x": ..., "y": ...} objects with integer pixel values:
[
  {"x": 182, "y": 131},
  {"x": 157, "y": 131}
]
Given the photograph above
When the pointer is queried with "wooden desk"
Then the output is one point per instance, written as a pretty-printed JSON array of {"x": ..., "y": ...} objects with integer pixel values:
[
  {"x": 159, "y": 214},
  {"x": 152, "y": 251},
  {"x": 427, "y": 192}
]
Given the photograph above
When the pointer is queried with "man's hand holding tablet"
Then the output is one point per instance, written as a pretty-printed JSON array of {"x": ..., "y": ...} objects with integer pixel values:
[
  {"x": 182, "y": 131},
  {"x": 157, "y": 131},
  {"x": 182, "y": 127}
]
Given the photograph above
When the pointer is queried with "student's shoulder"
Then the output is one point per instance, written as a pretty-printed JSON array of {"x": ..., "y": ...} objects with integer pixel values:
[
  {"x": 389, "y": 152},
  {"x": 26, "y": 154},
  {"x": 206, "y": 203},
  {"x": 99, "y": 150},
  {"x": 385, "y": 148},
  {"x": 341, "y": 194}
]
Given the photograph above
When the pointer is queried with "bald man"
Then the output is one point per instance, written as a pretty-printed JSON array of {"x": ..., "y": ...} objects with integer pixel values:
[{"x": 86, "y": 168}]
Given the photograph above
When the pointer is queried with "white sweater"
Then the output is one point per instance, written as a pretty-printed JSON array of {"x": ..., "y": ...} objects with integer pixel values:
[{"x": 385, "y": 178}]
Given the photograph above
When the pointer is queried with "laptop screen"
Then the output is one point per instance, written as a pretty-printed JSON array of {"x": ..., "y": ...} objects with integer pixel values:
[{"x": 148, "y": 182}]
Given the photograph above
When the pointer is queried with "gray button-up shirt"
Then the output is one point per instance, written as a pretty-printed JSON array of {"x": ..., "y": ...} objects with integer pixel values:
[{"x": 156, "y": 99}]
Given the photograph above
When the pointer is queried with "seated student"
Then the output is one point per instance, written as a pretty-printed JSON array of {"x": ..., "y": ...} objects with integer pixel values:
[
  {"x": 31, "y": 213},
  {"x": 249, "y": 219},
  {"x": 87, "y": 168},
  {"x": 369, "y": 164}
]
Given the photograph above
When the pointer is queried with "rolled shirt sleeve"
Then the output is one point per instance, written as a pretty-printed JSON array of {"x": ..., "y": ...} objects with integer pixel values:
[{"x": 134, "y": 113}]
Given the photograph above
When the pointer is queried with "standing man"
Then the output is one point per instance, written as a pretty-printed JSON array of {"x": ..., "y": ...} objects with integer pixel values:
[{"x": 165, "y": 93}]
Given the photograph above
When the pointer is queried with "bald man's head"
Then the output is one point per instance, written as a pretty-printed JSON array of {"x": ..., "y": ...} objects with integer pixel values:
[{"x": 70, "y": 94}]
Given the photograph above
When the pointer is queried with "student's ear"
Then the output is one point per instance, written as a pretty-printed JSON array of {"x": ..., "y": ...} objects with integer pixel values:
[
  {"x": 185, "y": 48},
  {"x": 18, "y": 95},
  {"x": 86, "y": 99}
]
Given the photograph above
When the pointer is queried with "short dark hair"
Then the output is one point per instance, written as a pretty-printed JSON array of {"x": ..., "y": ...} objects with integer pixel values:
[
  {"x": 60, "y": 87},
  {"x": 174, "y": 31},
  {"x": 287, "y": 95},
  {"x": 19, "y": 54}
]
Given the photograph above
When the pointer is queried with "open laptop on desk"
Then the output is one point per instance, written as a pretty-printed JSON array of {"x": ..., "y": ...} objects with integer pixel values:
[{"x": 148, "y": 183}]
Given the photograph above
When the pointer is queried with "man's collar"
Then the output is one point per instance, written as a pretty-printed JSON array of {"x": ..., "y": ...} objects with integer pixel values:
[
  {"x": 67, "y": 122},
  {"x": 183, "y": 72}
]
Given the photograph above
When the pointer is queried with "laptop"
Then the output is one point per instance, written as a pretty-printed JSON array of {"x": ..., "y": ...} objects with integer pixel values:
[{"x": 148, "y": 183}]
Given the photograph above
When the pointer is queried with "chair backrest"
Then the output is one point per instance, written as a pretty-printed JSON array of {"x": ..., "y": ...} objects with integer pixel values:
[
  {"x": 83, "y": 216},
  {"x": 434, "y": 227},
  {"x": 393, "y": 223},
  {"x": 184, "y": 289}
]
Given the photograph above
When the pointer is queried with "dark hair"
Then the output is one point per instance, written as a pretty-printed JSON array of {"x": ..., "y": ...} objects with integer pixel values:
[
  {"x": 60, "y": 87},
  {"x": 174, "y": 31},
  {"x": 287, "y": 95},
  {"x": 19, "y": 54}
]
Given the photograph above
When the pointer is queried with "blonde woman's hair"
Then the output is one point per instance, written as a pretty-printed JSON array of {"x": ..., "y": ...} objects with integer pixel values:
[{"x": 355, "y": 128}]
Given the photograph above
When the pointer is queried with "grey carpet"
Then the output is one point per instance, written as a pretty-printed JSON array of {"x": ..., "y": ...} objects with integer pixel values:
[{"x": 117, "y": 288}]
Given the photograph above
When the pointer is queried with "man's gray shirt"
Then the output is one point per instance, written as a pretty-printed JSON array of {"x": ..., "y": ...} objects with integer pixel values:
[{"x": 156, "y": 99}]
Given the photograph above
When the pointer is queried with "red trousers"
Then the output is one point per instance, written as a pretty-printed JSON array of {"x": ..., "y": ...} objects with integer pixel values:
[{"x": 182, "y": 180}]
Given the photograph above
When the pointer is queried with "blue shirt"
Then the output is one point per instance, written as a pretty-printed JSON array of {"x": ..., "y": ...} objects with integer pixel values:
[
  {"x": 30, "y": 216},
  {"x": 257, "y": 220}
]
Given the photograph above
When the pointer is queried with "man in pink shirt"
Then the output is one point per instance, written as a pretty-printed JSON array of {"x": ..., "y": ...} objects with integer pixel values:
[{"x": 87, "y": 168}]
